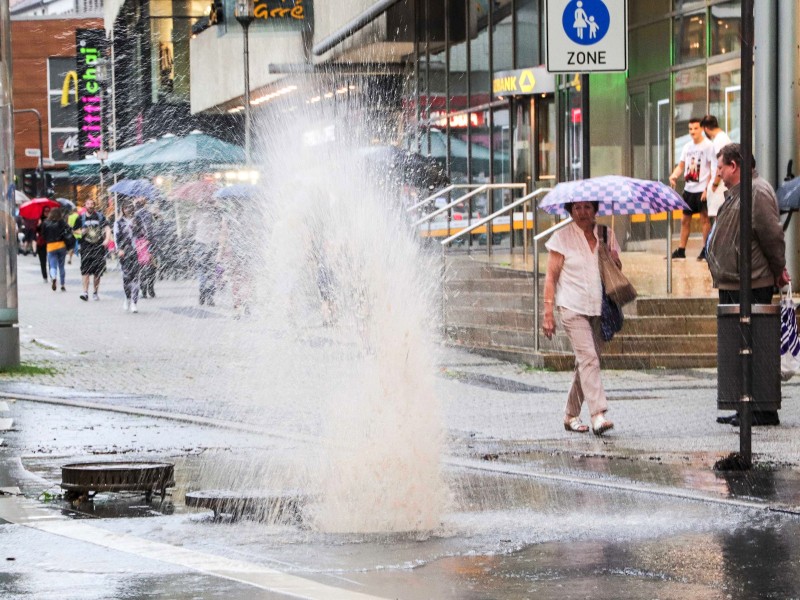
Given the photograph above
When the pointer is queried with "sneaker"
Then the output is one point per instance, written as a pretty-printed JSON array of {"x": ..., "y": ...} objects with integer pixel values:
[
  {"x": 53, "y": 285},
  {"x": 133, "y": 308},
  {"x": 127, "y": 304},
  {"x": 63, "y": 289},
  {"x": 702, "y": 255},
  {"x": 679, "y": 254},
  {"x": 84, "y": 296},
  {"x": 95, "y": 296}
]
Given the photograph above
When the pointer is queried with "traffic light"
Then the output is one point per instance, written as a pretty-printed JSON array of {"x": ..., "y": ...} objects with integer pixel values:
[
  {"x": 49, "y": 188},
  {"x": 29, "y": 183}
]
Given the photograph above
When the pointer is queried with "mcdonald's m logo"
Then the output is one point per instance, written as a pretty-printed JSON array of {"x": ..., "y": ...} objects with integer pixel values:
[{"x": 70, "y": 79}]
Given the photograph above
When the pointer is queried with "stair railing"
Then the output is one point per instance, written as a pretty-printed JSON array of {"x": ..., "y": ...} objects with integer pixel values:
[
  {"x": 442, "y": 192},
  {"x": 531, "y": 199},
  {"x": 479, "y": 190}
]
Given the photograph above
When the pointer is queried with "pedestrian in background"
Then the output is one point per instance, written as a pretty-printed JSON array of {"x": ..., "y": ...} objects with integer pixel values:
[
  {"x": 76, "y": 250},
  {"x": 573, "y": 284},
  {"x": 715, "y": 194},
  {"x": 697, "y": 164},
  {"x": 41, "y": 245},
  {"x": 768, "y": 262},
  {"x": 145, "y": 230},
  {"x": 125, "y": 241},
  {"x": 96, "y": 237},
  {"x": 54, "y": 232},
  {"x": 205, "y": 227}
]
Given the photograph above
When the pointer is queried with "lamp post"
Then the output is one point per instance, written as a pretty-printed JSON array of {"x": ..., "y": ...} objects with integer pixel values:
[
  {"x": 245, "y": 14},
  {"x": 41, "y": 186}
]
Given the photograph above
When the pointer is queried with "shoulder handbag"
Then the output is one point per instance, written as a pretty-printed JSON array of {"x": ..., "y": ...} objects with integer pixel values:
[
  {"x": 68, "y": 237},
  {"x": 615, "y": 284}
]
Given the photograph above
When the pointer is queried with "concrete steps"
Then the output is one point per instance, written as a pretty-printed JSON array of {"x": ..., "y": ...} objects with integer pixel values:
[{"x": 489, "y": 310}]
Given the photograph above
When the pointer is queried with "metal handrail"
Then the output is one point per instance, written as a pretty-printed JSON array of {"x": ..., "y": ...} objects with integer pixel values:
[
  {"x": 536, "y": 238},
  {"x": 491, "y": 217},
  {"x": 447, "y": 207},
  {"x": 447, "y": 190}
]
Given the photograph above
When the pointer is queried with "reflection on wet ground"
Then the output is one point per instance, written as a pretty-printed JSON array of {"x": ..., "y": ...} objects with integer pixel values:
[{"x": 505, "y": 536}]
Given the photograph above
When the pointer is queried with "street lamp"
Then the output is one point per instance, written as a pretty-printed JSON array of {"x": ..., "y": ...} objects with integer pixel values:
[{"x": 245, "y": 14}]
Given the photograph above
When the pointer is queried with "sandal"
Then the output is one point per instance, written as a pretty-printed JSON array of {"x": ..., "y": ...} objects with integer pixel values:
[
  {"x": 574, "y": 425},
  {"x": 600, "y": 424}
]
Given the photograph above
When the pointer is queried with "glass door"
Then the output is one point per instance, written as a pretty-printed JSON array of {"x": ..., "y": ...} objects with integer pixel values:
[
  {"x": 725, "y": 96},
  {"x": 650, "y": 130}
]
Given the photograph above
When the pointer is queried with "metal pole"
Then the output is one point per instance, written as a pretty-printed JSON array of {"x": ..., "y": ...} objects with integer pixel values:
[
  {"x": 536, "y": 340},
  {"x": 40, "y": 183},
  {"x": 669, "y": 252},
  {"x": 586, "y": 158},
  {"x": 9, "y": 317},
  {"x": 247, "y": 107},
  {"x": 745, "y": 235}
]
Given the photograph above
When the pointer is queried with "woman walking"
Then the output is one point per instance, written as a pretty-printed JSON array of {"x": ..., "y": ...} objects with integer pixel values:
[
  {"x": 41, "y": 245},
  {"x": 55, "y": 231},
  {"x": 573, "y": 285},
  {"x": 125, "y": 242}
]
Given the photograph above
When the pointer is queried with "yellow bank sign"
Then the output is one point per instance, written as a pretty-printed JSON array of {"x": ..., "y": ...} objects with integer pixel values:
[{"x": 535, "y": 80}]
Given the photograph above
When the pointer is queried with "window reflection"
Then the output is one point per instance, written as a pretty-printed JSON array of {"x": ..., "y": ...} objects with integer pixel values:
[
  {"x": 726, "y": 28},
  {"x": 690, "y": 37}
]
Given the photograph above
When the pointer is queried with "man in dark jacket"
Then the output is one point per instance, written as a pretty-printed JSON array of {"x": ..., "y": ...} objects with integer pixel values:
[{"x": 768, "y": 262}]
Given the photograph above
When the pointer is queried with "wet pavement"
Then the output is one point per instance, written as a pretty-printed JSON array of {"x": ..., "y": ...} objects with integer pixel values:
[{"x": 534, "y": 511}]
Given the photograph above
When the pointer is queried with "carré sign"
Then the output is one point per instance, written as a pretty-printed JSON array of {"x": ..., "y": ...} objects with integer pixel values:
[{"x": 586, "y": 36}]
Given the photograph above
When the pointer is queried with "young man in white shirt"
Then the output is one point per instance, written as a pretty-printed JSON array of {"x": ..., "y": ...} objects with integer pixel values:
[
  {"x": 715, "y": 194},
  {"x": 697, "y": 165}
]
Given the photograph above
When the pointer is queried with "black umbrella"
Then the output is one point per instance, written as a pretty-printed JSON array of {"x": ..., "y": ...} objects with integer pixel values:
[{"x": 405, "y": 167}]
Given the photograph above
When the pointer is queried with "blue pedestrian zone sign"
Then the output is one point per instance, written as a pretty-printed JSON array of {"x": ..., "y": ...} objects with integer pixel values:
[
  {"x": 587, "y": 36},
  {"x": 586, "y": 21}
]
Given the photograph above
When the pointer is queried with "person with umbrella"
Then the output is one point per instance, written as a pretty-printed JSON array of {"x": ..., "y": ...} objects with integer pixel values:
[
  {"x": 41, "y": 245},
  {"x": 95, "y": 238},
  {"x": 573, "y": 285}
]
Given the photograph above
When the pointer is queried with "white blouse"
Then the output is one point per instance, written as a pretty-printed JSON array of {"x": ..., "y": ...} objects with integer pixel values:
[{"x": 579, "y": 287}]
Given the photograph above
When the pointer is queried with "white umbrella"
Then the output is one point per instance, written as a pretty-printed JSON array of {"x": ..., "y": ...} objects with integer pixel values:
[{"x": 20, "y": 197}]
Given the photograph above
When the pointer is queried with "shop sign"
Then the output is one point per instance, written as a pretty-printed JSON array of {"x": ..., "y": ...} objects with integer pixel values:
[
  {"x": 284, "y": 11},
  {"x": 587, "y": 36},
  {"x": 90, "y": 47},
  {"x": 458, "y": 121},
  {"x": 64, "y": 146},
  {"x": 535, "y": 80}
]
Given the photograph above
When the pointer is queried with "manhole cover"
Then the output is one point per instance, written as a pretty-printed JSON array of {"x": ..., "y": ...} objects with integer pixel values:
[
  {"x": 86, "y": 479},
  {"x": 282, "y": 507}
]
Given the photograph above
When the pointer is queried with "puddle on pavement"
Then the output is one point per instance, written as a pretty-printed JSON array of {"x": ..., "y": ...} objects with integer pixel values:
[{"x": 774, "y": 484}]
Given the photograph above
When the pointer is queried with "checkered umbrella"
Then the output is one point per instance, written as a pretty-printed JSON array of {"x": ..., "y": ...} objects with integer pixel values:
[{"x": 617, "y": 196}]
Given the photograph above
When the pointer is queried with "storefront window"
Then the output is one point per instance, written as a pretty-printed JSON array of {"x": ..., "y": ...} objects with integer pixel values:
[
  {"x": 690, "y": 101},
  {"x": 528, "y": 33},
  {"x": 690, "y": 37},
  {"x": 503, "y": 58},
  {"x": 641, "y": 11},
  {"x": 572, "y": 144},
  {"x": 724, "y": 100},
  {"x": 685, "y": 5},
  {"x": 546, "y": 137},
  {"x": 726, "y": 28},
  {"x": 642, "y": 60}
]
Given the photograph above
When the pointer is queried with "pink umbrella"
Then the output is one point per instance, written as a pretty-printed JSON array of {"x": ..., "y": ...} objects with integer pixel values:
[{"x": 33, "y": 208}]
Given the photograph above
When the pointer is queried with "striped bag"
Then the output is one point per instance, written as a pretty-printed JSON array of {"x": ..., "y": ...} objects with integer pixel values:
[{"x": 790, "y": 340}]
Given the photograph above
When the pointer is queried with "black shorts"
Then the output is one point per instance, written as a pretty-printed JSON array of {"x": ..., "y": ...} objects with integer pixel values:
[
  {"x": 93, "y": 259},
  {"x": 696, "y": 205}
]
